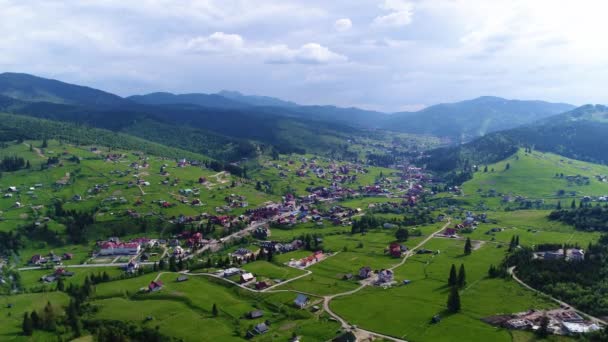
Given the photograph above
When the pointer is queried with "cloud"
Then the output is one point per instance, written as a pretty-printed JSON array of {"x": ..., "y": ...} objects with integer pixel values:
[
  {"x": 401, "y": 14},
  {"x": 216, "y": 42},
  {"x": 311, "y": 53},
  {"x": 342, "y": 25},
  {"x": 233, "y": 44}
]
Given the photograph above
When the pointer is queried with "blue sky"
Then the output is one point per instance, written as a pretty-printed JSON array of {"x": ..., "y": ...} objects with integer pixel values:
[{"x": 387, "y": 55}]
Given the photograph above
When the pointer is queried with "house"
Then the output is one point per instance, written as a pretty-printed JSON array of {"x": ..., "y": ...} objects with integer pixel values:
[
  {"x": 394, "y": 250},
  {"x": 261, "y": 328},
  {"x": 67, "y": 256},
  {"x": 348, "y": 276},
  {"x": 301, "y": 301},
  {"x": 231, "y": 271},
  {"x": 255, "y": 314},
  {"x": 62, "y": 272},
  {"x": 450, "y": 232},
  {"x": 576, "y": 254},
  {"x": 365, "y": 272},
  {"x": 131, "y": 267},
  {"x": 182, "y": 278},
  {"x": 247, "y": 277},
  {"x": 242, "y": 254},
  {"x": 385, "y": 276},
  {"x": 155, "y": 286},
  {"x": 37, "y": 260},
  {"x": 260, "y": 285}
]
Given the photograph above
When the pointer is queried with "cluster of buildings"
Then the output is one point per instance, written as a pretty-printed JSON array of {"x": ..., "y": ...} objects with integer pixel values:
[
  {"x": 383, "y": 277},
  {"x": 570, "y": 254},
  {"x": 561, "y": 321},
  {"x": 308, "y": 261},
  {"x": 58, "y": 273},
  {"x": 53, "y": 258}
]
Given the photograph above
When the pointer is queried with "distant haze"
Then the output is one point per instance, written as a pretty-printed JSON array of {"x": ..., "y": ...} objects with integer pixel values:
[{"x": 388, "y": 55}]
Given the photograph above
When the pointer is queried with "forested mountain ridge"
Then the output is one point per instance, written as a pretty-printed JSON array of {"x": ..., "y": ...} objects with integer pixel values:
[
  {"x": 577, "y": 134},
  {"x": 466, "y": 120}
]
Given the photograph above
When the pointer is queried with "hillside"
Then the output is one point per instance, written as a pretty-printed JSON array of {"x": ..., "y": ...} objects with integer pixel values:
[
  {"x": 463, "y": 121},
  {"x": 37, "y": 89},
  {"x": 578, "y": 134},
  {"x": 535, "y": 176},
  {"x": 224, "y": 132}
]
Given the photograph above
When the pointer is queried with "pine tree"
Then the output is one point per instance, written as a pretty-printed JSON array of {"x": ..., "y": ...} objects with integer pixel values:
[
  {"x": 516, "y": 240},
  {"x": 161, "y": 264},
  {"x": 60, "y": 284},
  {"x": 453, "y": 279},
  {"x": 454, "y": 300},
  {"x": 36, "y": 320},
  {"x": 573, "y": 205},
  {"x": 508, "y": 166},
  {"x": 467, "y": 247},
  {"x": 27, "y": 325},
  {"x": 462, "y": 277},
  {"x": 559, "y": 205},
  {"x": 214, "y": 310},
  {"x": 485, "y": 169}
]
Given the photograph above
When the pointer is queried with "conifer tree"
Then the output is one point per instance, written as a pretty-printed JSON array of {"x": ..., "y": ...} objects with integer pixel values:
[
  {"x": 454, "y": 300},
  {"x": 453, "y": 279}
]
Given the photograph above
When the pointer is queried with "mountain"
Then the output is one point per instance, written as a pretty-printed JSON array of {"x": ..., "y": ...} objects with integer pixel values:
[
  {"x": 223, "y": 133},
  {"x": 37, "y": 89},
  {"x": 354, "y": 117},
  {"x": 204, "y": 100},
  {"x": 463, "y": 121},
  {"x": 578, "y": 134},
  {"x": 255, "y": 100}
]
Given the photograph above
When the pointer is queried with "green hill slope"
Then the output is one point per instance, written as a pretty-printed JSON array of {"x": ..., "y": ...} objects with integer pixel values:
[{"x": 535, "y": 176}]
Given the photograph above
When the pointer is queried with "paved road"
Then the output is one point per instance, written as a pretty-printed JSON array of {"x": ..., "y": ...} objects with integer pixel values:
[{"x": 511, "y": 271}]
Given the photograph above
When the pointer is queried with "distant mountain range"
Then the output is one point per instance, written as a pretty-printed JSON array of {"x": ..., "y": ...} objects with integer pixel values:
[
  {"x": 460, "y": 121},
  {"x": 466, "y": 120},
  {"x": 222, "y": 125}
]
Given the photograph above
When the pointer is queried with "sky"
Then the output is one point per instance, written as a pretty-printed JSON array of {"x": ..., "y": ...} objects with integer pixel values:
[{"x": 388, "y": 55}]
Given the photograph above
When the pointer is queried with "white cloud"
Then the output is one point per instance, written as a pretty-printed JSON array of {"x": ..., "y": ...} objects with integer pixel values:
[
  {"x": 342, "y": 25},
  {"x": 311, "y": 53},
  {"x": 216, "y": 42},
  {"x": 233, "y": 44},
  {"x": 401, "y": 14}
]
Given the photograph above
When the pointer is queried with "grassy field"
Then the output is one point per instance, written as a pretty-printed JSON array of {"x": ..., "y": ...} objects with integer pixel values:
[
  {"x": 191, "y": 301},
  {"x": 10, "y": 323},
  {"x": 534, "y": 177},
  {"x": 415, "y": 304}
]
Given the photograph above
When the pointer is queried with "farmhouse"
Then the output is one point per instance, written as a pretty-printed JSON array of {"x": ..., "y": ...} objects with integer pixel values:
[
  {"x": 301, "y": 301},
  {"x": 385, "y": 277},
  {"x": 155, "y": 286},
  {"x": 309, "y": 260},
  {"x": 247, "y": 277},
  {"x": 365, "y": 272},
  {"x": 261, "y": 328},
  {"x": 231, "y": 271},
  {"x": 255, "y": 314}
]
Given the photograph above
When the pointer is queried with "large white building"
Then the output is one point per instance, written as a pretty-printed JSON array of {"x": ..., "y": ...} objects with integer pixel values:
[{"x": 119, "y": 248}]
